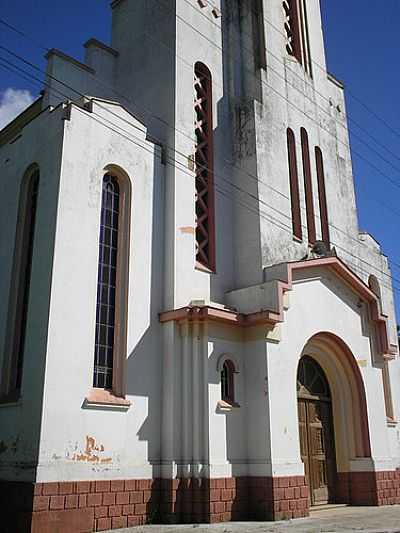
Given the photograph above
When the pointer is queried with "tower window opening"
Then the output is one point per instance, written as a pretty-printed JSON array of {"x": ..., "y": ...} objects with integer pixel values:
[{"x": 204, "y": 168}]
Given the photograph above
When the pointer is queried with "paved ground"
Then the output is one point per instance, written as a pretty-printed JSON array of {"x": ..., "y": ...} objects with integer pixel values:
[{"x": 335, "y": 520}]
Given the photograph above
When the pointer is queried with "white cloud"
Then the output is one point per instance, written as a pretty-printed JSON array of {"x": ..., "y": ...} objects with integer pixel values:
[{"x": 12, "y": 102}]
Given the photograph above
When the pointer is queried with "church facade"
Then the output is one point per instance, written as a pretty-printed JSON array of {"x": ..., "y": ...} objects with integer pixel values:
[{"x": 193, "y": 328}]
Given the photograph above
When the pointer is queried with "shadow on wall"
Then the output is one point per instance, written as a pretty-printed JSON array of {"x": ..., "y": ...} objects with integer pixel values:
[
  {"x": 236, "y": 185},
  {"x": 145, "y": 361}
]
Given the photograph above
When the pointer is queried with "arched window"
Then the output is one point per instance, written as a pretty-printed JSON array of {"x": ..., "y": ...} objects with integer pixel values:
[
  {"x": 20, "y": 285},
  {"x": 112, "y": 285},
  {"x": 323, "y": 206},
  {"x": 308, "y": 187},
  {"x": 228, "y": 382},
  {"x": 294, "y": 185},
  {"x": 204, "y": 168}
]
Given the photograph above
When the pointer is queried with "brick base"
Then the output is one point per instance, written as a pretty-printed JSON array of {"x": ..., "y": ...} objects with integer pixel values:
[
  {"x": 279, "y": 498},
  {"x": 86, "y": 506},
  {"x": 369, "y": 488}
]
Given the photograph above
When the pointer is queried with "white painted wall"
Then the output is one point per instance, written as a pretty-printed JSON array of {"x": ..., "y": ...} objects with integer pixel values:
[
  {"x": 130, "y": 439},
  {"x": 174, "y": 422},
  {"x": 20, "y": 423}
]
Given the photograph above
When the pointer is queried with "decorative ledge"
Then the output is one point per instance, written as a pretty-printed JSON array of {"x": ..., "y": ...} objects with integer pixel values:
[
  {"x": 104, "y": 399},
  {"x": 282, "y": 277},
  {"x": 228, "y": 316}
]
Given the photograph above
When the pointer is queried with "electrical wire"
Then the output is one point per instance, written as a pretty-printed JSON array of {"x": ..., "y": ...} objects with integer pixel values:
[{"x": 258, "y": 212}]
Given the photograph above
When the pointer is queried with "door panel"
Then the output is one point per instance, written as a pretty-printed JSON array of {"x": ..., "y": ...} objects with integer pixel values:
[
  {"x": 319, "y": 484},
  {"x": 317, "y": 448},
  {"x": 302, "y": 407}
]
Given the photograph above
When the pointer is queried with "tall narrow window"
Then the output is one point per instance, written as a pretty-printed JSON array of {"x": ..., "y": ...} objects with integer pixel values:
[
  {"x": 308, "y": 187},
  {"x": 204, "y": 166},
  {"x": 106, "y": 284},
  {"x": 20, "y": 286},
  {"x": 110, "y": 351},
  {"x": 292, "y": 29},
  {"x": 228, "y": 382},
  {"x": 323, "y": 206},
  {"x": 296, "y": 32},
  {"x": 294, "y": 185}
]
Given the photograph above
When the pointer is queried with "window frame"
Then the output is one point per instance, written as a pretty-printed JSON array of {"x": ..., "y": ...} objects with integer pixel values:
[
  {"x": 228, "y": 366},
  {"x": 118, "y": 391}
]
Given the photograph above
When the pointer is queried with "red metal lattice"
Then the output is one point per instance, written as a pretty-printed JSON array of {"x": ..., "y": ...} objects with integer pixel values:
[
  {"x": 204, "y": 167},
  {"x": 292, "y": 30}
]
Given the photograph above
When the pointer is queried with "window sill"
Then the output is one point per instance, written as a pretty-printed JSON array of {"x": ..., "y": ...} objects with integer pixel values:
[
  {"x": 223, "y": 405},
  {"x": 391, "y": 422},
  {"x": 104, "y": 399},
  {"x": 203, "y": 268}
]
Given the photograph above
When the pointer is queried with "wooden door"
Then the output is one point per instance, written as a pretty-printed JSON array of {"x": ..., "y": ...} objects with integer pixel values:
[{"x": 316, "y": 436}]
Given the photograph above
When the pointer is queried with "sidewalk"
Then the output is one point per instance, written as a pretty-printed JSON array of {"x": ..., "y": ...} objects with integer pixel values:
[{"x": 332, "y": 520}]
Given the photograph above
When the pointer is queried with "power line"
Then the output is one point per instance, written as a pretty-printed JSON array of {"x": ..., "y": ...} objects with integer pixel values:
[
  {"x": 394, "y": 182},
  {"x": 229, "y": 162},
  {"x": 258, "y": 211},
  {"x": 391, "y": 180},
  {"x": 184, "y": 155},
  {"x": 302, "y": 79},
  {"x": 321, "y": 67}
]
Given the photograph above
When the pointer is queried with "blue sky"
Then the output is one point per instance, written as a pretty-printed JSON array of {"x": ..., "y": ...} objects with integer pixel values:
[{"x": 362, "y": 45}]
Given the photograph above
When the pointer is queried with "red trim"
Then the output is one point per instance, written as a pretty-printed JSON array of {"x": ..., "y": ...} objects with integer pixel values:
[
  {"x": 343, "y": 353},
  {"x": 274, "y": 316},
  {"x": 99, "y": 396}
]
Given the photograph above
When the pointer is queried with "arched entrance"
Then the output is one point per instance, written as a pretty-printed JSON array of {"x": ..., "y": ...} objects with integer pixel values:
[
  {"x": 316, "y": 430},
  {"x": 333, "y": 412}
]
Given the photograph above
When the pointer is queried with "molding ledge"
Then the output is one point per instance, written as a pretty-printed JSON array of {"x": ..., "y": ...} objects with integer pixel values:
[{"x": 283, "y": 283}]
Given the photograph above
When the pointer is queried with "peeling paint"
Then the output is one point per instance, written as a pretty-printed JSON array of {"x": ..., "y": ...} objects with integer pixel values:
[{"x": 91, "y": 454}]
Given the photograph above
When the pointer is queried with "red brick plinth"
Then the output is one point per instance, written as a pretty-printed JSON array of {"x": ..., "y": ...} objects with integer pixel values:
[
  {"x": 86, "y": 506},
  {"x": 369, "y": 488}
]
